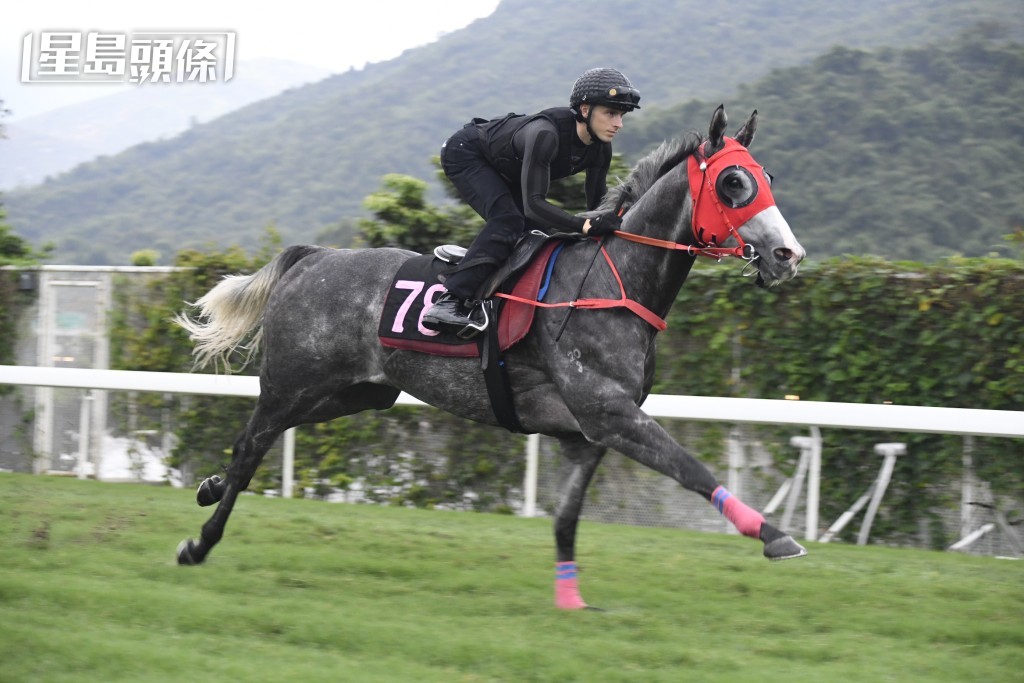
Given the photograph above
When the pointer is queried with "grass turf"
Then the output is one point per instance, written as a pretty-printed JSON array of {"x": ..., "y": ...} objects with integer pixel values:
[{"x": 310, "y": 591}]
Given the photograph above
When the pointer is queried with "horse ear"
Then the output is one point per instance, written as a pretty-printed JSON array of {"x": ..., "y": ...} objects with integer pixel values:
[
  {"x": 745, "y": 135},
  {"x": 716, "y": 130}
]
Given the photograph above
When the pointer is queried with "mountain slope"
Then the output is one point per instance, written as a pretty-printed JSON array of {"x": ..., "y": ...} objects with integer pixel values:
[
  {"x": 57, "y": 141},
  {"x": 306, "y": 159}
]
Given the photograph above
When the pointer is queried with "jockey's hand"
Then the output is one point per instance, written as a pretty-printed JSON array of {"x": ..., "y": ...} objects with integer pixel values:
[{"x": 605, "y": 224}]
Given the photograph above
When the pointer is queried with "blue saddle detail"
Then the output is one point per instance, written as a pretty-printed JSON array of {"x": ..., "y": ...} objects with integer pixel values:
[{"x": 547, "y": 272}]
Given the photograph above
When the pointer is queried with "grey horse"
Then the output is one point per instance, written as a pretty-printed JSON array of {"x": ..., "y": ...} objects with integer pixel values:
[{"x": 579, "y": 376}]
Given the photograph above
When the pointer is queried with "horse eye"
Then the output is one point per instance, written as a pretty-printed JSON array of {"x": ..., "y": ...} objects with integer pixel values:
[{"x": 736, "y": 187}]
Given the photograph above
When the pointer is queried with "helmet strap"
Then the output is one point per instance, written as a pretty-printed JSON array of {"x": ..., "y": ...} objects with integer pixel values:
[{"x": 590, "y": 131}]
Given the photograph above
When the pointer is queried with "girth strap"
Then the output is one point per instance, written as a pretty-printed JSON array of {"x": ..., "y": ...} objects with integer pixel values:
[
  {"x": 495, "y": 376},
  {"x": 622, "y": 302}
]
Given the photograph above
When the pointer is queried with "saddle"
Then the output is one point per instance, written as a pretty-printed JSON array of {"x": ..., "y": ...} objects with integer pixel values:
[
  {"x": 416, "y": 286},
  {"x": 525, "y": 275}
]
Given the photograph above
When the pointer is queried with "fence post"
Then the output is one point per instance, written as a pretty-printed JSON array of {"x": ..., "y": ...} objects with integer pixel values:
[
  {"x": 288, "y": 464},
  {"x": 890, "y": 451},
  {"x": 84, "y": 417},
  {"x": 530, "y": 480},
  {"x": 813, "y": 486},
  {"x": 808, "y": 466}
]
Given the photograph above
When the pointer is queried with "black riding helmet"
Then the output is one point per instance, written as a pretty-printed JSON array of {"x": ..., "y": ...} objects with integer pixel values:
[
  {"x": 609, "y": 87},
  {"x": 604, "y": 86}
]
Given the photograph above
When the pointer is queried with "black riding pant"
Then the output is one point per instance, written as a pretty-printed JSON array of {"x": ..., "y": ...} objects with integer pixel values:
[{"x": 496, "y": 200}]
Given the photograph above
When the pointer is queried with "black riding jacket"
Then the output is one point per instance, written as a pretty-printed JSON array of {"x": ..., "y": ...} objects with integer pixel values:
[{"x": 531, "y": 151}]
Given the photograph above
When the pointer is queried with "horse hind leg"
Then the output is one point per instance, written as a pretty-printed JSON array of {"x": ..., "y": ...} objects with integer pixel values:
[
  {"x": 584, "y": 457},
  {"x": 210, "y": 490},
  {"x": 375, "y": 396},
  {"x": 265, "y": 425},
  {"x": 248, "y": 452}
]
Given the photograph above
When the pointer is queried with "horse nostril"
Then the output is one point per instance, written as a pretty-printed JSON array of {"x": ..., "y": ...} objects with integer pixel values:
[{"x": 783, "y": 254}]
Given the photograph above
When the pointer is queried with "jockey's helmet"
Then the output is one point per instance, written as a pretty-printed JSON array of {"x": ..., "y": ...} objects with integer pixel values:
[{"x": 604, "y": 86}]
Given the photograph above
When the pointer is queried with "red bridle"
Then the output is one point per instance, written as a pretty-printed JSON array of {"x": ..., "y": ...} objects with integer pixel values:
[{"x": 712, "y": 221}]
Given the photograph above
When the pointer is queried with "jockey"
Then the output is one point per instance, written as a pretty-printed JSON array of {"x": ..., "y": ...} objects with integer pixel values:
[{"x": 503, "y": 169}]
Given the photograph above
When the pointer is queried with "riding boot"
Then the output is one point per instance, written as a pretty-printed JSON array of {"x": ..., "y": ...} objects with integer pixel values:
[{"x": 452, "y": 314}]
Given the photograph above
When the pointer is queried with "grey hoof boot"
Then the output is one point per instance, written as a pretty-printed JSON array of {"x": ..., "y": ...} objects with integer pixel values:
[{"x": 784, "y": 548}]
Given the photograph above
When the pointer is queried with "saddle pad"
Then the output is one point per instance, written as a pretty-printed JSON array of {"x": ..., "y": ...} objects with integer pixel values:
[{"x": 415, "y": 288}]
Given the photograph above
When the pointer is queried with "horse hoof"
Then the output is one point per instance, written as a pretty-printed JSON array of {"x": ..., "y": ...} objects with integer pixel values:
[
  {"x": 784, "y": 548},
  {"x": 210, "y": 491},
  {"x": 185, "y": 556}
]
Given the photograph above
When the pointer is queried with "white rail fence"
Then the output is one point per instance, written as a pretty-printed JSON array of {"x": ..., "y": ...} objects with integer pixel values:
[{"x": 816, "y": 415}]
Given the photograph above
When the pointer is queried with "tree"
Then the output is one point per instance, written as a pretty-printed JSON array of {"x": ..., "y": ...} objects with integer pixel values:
[
  {"x": 15, "y": 250},
  {"x": 405, "y": 219}
]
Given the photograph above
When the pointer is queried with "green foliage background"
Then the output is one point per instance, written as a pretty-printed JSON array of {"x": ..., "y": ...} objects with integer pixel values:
[{"x": 866, "y": 331}]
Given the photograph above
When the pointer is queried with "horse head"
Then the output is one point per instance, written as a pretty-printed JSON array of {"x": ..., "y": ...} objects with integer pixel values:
[
  {"x": 733, "y": 206},
  {"x": 726, "y": 197}
]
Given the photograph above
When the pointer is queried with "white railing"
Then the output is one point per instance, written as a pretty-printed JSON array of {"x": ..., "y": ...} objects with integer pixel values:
[
  {"x": 891, "y": 418},
  {"x": 963, "y": 421}
]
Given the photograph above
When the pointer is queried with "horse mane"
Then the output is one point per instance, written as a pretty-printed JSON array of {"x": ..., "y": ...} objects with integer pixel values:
[{"x": 648, "y": 170}]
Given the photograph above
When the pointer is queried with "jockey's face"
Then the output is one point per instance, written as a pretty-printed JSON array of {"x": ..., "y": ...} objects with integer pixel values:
[{"x": 605, "y": 121}]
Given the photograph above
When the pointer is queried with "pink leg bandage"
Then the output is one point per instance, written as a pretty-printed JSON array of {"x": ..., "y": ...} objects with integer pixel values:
[
  {"x": 567, "y": 588},
  {"x": 746, "y": 520}
]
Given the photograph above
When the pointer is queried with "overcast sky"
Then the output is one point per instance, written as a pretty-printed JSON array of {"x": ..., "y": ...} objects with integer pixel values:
[{"x": 332, "y": 36}]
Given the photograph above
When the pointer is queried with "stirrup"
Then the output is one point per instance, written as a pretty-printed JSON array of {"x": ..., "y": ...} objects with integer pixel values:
[{"x": 474, "y": 328}]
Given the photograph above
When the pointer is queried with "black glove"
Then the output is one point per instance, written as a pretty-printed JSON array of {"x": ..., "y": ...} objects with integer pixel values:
[{"x": 605, "y": 224}]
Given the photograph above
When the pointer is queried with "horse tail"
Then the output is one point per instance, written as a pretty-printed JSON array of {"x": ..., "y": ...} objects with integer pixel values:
[{"x": 230, "y": 311}]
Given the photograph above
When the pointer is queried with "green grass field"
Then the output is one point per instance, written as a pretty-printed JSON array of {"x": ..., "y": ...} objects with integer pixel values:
[{"x": 310, "y": 591}]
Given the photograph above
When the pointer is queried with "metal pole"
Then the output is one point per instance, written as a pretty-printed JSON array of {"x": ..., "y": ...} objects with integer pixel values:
[
  {"x": 890, "y": 451},
  {"x": 967, "y": 488},
  {"x": 970, "y": 538},
  {"x": 798, "y": 479},
  {"x": 101, "y": 359},
  {"x": 42, "y": 433},
  {"x": 288, "y": 464},
  {"x": 83, "y": 434},
  {"x": 813, "y": 485},
  {"x": 530, "y": 480}
]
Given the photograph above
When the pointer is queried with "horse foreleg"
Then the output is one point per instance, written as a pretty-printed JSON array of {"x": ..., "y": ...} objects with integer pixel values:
[
  {"x": 623, "y": 426},
  {"x": 585, "y": 457}
]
